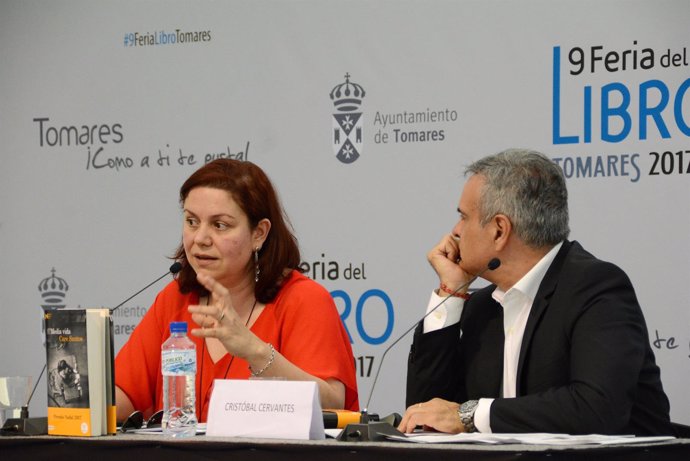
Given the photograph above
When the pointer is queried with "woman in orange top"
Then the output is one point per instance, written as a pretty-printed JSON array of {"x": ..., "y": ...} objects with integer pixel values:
[{"x": 240, "y": 283}]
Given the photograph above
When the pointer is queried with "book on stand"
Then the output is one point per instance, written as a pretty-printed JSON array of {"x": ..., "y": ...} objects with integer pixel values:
[{"x": 81, "y": 384}]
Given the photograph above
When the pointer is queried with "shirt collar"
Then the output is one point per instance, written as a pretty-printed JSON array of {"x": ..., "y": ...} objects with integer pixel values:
[{"x": 528, "y": 285}]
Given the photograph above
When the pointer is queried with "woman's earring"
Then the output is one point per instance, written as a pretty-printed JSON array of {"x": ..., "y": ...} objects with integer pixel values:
[{"x": 256, "y": 265}]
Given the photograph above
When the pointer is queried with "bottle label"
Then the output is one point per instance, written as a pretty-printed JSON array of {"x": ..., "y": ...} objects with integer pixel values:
[{"x": 178, "y": 362}]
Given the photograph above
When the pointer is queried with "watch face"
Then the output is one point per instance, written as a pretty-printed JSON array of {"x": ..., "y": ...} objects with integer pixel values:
[{"x": 468, "y": 406}]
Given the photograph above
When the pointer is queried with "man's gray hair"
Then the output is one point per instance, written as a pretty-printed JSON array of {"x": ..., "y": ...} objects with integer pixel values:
[{"x": 527, "y": 187}]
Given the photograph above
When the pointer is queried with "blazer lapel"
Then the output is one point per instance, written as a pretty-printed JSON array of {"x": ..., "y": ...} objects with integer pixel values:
[{"x": 541, "y": 302}]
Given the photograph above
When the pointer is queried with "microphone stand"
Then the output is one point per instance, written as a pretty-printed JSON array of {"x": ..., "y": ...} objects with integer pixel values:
[{"x": 370, "y": 427}]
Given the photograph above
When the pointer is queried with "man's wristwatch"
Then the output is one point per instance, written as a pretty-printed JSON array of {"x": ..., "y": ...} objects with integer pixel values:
[{"x": 466, "y": 413}]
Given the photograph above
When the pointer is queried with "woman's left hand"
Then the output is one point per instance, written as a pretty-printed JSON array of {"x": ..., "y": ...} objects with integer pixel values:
[{"x": 220, "y": 320}]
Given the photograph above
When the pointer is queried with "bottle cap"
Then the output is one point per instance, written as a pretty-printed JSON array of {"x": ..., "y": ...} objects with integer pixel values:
[{"x": 178, "y": 327}]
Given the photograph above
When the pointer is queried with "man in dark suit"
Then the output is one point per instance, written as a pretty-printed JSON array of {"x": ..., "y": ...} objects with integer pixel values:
[{"x": 557, "y": 343}]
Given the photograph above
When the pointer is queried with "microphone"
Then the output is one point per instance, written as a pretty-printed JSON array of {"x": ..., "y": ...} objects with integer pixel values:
[
  {"x": 386, "y": 428},
  {"x": 174, "y": 269},
  {"x": 39, "y": 426}
]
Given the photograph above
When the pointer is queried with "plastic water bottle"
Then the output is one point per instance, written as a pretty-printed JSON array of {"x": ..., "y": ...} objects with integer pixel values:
[{"x": 178, "y": 361}]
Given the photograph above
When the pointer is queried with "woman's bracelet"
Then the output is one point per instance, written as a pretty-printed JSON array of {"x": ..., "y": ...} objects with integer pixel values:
[
  {"x": 464, "y": 296},
  {"x": 270, "y": 362}
]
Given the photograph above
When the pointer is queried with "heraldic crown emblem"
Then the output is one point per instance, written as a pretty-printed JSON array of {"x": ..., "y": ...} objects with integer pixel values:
[
  {"x": 347, "y": 96},
  {"x": 53, "y": 291}
]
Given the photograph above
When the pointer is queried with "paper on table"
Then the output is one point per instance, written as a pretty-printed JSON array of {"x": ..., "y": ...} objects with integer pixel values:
[
  {"x": 333, "y": 433},
  {"x": 529, "y": 438}
]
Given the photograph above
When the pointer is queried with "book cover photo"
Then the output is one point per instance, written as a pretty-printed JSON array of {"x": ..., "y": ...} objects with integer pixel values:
[{"x": 71, "y": 410}]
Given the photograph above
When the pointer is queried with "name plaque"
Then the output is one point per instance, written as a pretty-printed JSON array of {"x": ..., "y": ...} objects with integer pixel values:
[{"x": 265, "y": 409}]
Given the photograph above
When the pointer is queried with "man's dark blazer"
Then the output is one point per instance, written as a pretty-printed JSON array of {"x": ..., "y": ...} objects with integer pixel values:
[{"x": 585, "y": 363}]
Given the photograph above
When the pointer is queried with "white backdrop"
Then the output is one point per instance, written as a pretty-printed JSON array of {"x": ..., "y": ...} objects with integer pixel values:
[{"x": 90, "y": 88}]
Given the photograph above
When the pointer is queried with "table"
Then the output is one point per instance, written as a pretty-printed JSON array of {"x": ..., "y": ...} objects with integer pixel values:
[{"x": 139, "y": 447}]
